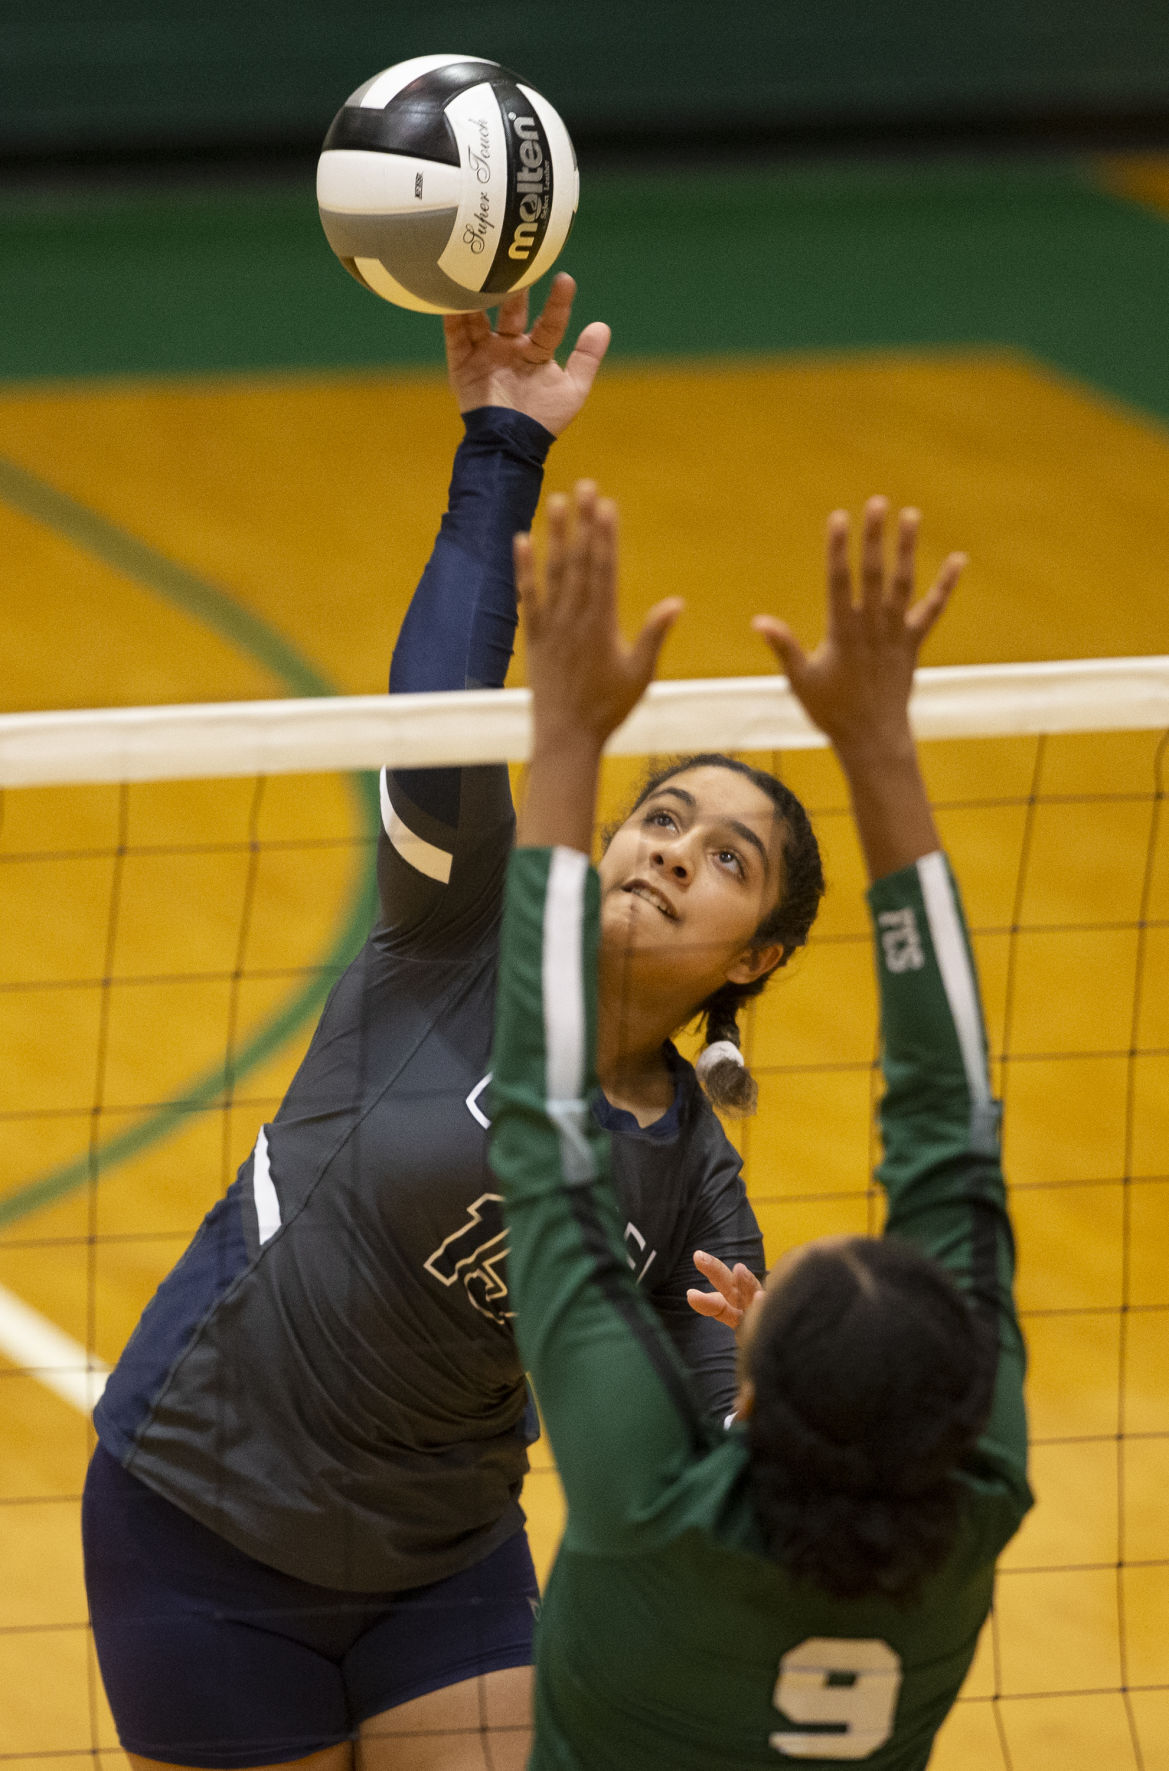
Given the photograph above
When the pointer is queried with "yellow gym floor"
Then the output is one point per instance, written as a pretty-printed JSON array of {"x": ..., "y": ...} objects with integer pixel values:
[{"x": 310, "y": 500}]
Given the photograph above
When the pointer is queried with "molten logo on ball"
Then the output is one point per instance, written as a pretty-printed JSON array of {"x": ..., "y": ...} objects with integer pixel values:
[
  {"x": 532, "y": 184},
  {"x": 500, "y": 185}
]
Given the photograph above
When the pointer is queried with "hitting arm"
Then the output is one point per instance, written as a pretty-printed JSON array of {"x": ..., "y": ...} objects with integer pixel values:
[{"x": 445, "y": 833}]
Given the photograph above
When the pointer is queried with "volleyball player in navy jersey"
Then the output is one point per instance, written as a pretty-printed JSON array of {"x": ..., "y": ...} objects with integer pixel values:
[{"x": 302, "y": 1521}]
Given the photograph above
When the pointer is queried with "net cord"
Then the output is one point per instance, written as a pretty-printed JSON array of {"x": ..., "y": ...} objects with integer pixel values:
[{"x": 751, "y": 713}]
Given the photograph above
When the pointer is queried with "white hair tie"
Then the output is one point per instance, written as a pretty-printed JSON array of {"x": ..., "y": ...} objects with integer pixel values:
[{"x": 722, "y": 1051}]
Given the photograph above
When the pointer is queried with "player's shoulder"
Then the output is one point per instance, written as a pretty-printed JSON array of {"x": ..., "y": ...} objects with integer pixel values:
[
  {"x": 995, "y": 1506},
  {"x": 713, "y": 1160}
]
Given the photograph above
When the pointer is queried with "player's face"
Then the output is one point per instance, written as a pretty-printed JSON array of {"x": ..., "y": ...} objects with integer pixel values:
[{"x": 690, "y": 875}]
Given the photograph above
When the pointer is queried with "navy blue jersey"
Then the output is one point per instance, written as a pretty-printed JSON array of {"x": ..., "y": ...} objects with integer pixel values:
[{"x": 329, "y": 1377}]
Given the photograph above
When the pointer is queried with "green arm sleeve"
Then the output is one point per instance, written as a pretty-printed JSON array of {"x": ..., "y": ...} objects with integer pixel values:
[
  {"x": 613, "y": 1393},
  {"x": 942, "y": 1168}
]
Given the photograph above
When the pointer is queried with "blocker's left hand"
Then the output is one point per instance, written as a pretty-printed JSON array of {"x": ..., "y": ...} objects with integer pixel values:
[
  {"x": 513, "y": 364},
  {"x": 855, "y": 686},
  {"x": 735, "y": 1288}
]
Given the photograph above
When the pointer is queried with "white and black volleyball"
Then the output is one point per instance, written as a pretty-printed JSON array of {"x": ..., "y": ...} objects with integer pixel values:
[{"x": 444, "y": 182}]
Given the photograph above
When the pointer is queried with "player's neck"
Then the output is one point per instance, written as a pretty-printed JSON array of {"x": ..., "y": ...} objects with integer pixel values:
[
  {"x": 631, "y": 1066},
  {"x": 645, "y": 1091}
]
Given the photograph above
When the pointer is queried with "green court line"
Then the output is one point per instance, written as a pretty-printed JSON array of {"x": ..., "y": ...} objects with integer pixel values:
[{"x": 215, "y": 609}]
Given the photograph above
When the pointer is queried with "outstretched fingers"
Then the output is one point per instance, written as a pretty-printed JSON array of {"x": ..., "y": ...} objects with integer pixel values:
[
  {"x": 580, "y": 579},
  {"x": 886, "y": 592},
  {"x": 580, "y": 556},
  {"x": 924, "y": 614},
  {"x": 587, "y": 355},
  {"x": 512, "y": 319},
  {"x": 873, "y": 558},
  {"x": 523, "y": 556},
  {"x": 735, "y": 1290},
  {"x": 559, "y": 544},
  {"x": 570, "y": 617},
  {"x": 550, "y": 325},
  {"x": 646, "y": 648},
  {"x": 464, "y": 333},
  {"x": 580, "y": 562},
  {"x": 601, "y": 554},
  {"x": 783, "y": 643},
  {"x": 837, "y": 568},
  {"x": 904, "y": 564}
]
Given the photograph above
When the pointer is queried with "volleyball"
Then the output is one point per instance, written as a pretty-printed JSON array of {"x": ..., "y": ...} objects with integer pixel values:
[{"x": 445, "y": 182}]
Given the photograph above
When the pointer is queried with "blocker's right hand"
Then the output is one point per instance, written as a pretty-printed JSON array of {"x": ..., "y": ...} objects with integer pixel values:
[{"x": 514, "y": 365}]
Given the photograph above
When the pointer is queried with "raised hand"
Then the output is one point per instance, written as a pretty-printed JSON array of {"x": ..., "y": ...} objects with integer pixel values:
[
  {"x": 855, "y": 685},
  {"x": 734, "y": 1289},
  {"x": 514, "y": 365},
  {"x": 585, "y": 679}
]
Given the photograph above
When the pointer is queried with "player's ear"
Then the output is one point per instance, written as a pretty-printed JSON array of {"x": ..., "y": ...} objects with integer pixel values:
[
  {"x": 745, "y": 1400},
  {"x": 755, "y": 962}
]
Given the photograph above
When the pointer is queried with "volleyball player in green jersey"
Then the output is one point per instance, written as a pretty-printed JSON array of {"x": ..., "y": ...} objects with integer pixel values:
[{"x": 811, "y": 1583}]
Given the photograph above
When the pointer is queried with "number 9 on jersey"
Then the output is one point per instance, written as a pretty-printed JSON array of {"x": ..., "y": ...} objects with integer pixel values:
[{"x": 846, "y": 1691}]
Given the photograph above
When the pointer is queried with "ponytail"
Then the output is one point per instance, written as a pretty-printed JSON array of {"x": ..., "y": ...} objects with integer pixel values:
[{"x": 721, "y": 1067}]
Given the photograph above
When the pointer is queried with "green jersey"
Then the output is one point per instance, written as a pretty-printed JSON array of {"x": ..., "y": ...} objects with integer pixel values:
[{"x": 669, "y": 1637}]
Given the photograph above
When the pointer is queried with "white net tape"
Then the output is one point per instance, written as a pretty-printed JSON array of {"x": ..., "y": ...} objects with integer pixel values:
[{"x": 421, "y": 731}]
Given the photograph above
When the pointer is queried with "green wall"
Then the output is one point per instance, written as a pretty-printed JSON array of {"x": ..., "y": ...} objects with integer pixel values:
[
  {"x": 79, "y": 75},
  {"x": 1025, "y": 253}
]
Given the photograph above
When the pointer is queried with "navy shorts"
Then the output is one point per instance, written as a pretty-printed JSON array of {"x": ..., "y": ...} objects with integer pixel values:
[{"x": 211, "y": 1658}]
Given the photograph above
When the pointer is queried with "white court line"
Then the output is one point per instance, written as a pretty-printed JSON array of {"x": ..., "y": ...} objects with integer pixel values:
[{"x": 46, "y": 1352}]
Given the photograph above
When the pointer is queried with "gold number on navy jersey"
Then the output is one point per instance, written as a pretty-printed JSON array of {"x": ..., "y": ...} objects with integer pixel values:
[{"x": 475, "y": 1255}]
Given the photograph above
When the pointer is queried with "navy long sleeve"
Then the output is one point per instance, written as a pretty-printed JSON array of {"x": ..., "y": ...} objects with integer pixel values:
[
  {"x": 458, "y": 633},
  {"x": 460, "y": 627}
]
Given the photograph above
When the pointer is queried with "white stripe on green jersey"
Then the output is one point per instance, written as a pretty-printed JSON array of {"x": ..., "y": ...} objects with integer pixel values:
[
  {"x": 669, "y": 1639},
  {"x": 954, "y": 963},
  {"x": 564, "y": 1011}
]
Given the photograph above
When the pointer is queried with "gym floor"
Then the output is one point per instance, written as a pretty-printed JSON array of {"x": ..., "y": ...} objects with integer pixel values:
[{"x": 221, "y": 467}]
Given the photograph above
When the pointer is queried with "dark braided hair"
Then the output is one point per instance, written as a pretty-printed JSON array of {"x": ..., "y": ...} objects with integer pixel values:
[
  {"x": 872, "y": 1381},
  {"x": 729, "y": 1084}
]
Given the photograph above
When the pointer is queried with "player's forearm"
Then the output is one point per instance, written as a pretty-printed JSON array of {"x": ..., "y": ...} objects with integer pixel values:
[
  {"x": 560, "y": 792},
  {"x": 495, "y": 485},
  {"x": 890, "y": 805},
  {"x": 460, "y": 625},
  {"x": 939, "y": 1119}
]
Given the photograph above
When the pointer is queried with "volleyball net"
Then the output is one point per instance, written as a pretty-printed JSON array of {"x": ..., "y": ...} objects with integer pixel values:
[{"x": 180, "y": 888}]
